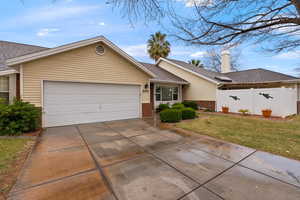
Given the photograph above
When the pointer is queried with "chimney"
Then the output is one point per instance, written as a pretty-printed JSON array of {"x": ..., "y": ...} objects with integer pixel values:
[{"x": 225, "y": 61}]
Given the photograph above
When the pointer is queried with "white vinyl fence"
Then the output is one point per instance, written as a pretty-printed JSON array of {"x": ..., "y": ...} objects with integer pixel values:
[{"x": 282, "y": 101}]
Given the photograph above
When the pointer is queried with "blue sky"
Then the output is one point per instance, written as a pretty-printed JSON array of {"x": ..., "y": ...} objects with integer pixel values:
[{"x": 50, "y": 24}]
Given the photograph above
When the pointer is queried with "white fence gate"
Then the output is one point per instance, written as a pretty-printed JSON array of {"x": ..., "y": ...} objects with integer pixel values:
[{"x": 282, "y": 101}]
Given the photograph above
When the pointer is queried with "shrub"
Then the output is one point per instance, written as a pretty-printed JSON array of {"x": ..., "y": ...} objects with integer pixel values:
[
  {"x": 190, "y": 104},
  {"x": 171, "y": 115},
  {"x": 188, "y": 113},
  {"x": 162, "y": 107},
  {"x": 178, "y": 106},
  {"x": 208, "y": 110},
  {"x": 244, "y": 111},
  {"x": 18, "y": 118}
]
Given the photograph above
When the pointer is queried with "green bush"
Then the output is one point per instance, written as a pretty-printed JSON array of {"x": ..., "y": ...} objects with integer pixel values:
[
  {"x": 19, "y": 117},
  {"x": 162, "y": 107},
  {"x": 171, "y": 115},
  {"x": 178, "y": 106},
  {"x": 188, "y": 113},
  {"x": 190, "y": 104},
  {"x": 208, "y": 110}
]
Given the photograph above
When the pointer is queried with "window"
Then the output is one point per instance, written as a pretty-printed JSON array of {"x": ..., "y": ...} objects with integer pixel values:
[
  {"x": 175, "y": 93},
  {"x": 165, "y": 93},
  {"x": 158, "y": 93},
  {"x": 4, "y": 88}
]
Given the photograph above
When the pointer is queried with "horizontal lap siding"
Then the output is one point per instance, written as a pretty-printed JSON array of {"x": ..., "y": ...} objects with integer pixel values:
[
  {"x": 199, "y": 89},
  {"x": 81, "y": 65}
]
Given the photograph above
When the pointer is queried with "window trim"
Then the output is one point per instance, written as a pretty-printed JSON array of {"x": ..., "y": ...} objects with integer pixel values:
[
  {"x": 172, "y": 91},
  {"x": 4, "y": 91}
]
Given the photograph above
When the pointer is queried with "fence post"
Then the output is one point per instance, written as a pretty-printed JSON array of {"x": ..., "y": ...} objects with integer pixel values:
[{"x": 252, "y": 101}]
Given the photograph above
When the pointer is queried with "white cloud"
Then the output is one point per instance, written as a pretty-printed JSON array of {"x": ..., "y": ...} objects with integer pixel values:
[
  {"x": 198, "y": 54},
  {"x": 101, "y": 24},
  {"x": 191, "y": 3},
  {"x": 289, "y": 55},
  {"x": 46, "y": 31},
  {"x": 139, "y": 50},
  {"x": 54, "y": 13}
]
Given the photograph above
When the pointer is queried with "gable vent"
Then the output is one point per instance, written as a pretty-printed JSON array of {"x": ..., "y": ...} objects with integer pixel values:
[{"x": 100, "y": 50}]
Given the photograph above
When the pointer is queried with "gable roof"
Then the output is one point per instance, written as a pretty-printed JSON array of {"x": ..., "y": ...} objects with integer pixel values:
[
  {"x": 246, "y": 76},
  {"x": 12, "y": 49},
  {"x": 162, "y": 75},
  {"x": 67, "y": 47},
  {"x": 202, "y": 73}
]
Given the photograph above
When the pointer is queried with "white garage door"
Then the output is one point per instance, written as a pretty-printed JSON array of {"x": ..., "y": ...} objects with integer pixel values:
[{"x": 75, "y": 103}]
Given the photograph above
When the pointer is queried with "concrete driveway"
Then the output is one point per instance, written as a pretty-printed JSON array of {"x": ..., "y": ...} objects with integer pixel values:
[{"x": 132, "y": 160}]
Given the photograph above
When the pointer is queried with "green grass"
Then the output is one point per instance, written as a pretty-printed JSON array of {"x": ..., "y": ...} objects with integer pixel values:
[
  {"x": 279, "y": 137},
  {"x": 9, "y": 149}
]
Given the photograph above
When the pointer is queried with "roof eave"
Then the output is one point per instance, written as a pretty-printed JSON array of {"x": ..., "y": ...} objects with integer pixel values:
[
  {"x": 8, "y": 72},
  {"x": 264, "y": 82},
  {"x": 171, "y": 82},
  {"x": 60, "y": 49},
  {"x": 183, "y": 68}
]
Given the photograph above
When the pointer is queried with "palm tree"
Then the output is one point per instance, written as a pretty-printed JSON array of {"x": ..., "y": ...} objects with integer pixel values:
[
  {"x": 196, "y": 63},
  {"x": 158, "y": 46}
]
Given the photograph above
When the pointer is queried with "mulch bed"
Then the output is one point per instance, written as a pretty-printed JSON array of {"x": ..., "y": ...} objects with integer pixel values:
[{"x": 32, "y": 135}]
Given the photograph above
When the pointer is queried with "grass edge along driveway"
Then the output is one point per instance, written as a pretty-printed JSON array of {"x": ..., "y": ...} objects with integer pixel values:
[
  {"x": 280, "y": 137},
  {"x": 13, "y": 152}
]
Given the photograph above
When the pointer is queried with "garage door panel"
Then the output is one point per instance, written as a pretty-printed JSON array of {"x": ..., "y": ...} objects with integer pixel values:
[
  {"x": 86, "y": 89},
  {"x": 75, "y": 103},
  {"x": 90, "y": 108},
  {"x": 89, "y": 99}
]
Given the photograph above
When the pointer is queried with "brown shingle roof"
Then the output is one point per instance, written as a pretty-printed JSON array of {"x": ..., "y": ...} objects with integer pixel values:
[
  {"x": 162, "y": 75},
  {"x": 12, "y": 49},
  {"x": 257, "y": 76},
  {"x": 246, "y": 76}
]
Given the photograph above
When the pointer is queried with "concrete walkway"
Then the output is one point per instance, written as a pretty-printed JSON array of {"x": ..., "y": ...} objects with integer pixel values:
[{"x": 132, "y": 160}]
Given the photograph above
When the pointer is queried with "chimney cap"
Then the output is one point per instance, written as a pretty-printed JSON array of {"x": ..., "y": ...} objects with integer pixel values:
[{"x": 225, "y": 51}]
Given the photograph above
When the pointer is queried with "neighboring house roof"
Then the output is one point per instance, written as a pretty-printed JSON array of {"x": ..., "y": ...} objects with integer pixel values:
[
  {"x": 246, "y": 76},
  {"x": 257, "y": 76},
  {"x": 163, "y": 75},
  {"x": 12, "y": 49},
  {"x": 67, "y": 47}
]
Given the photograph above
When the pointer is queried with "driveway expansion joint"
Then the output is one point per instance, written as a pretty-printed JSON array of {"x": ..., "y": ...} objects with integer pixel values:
[
  {"x": 259, "y": 172},
  {"x": 203, "y": 184},
  {"x": 51, "y": 181},
  {"x": 101, "y": 173}
]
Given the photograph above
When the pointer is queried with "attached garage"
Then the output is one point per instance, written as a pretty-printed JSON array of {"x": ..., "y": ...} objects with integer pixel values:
[
  {"x": 84, "y": 82},
  {"x": 67, "y": 103}
]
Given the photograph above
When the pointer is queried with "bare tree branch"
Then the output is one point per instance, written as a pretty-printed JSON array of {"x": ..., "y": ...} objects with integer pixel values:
[{"x": 221, "y": 22}]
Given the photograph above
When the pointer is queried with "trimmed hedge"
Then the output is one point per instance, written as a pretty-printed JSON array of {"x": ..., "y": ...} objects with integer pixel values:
[
  {"x": 178, "y": 106},
  {"x": 162, "y": 107},
  {"x": 188, "y": 113},
  {"x": 171, "y": 115},
  {"x": 19, "y": 117},
  {"x": 190, "y": 104}
]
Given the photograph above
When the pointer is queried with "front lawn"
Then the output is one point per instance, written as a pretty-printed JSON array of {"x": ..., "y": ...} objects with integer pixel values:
[
  {"x": 278, "y": 137},
  {"x": 12, "y": 154}
]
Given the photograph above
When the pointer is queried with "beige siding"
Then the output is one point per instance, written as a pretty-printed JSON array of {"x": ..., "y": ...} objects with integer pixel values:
[
  {"x": 199, "y": 88},
  {"x": 81, "y": 65}
]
